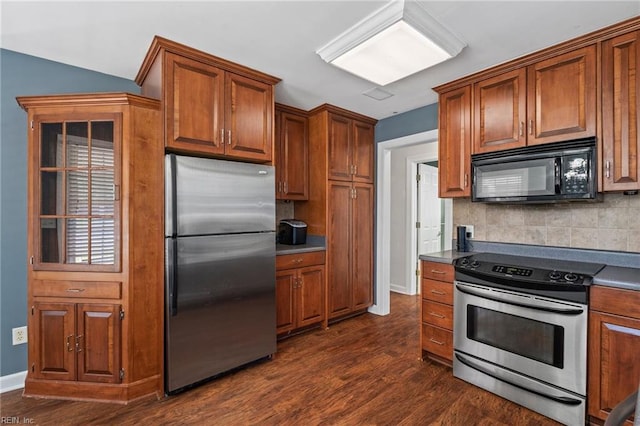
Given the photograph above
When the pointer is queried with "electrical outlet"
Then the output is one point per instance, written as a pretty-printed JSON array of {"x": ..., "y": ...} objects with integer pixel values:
[
  {"x": 469, "y": 231},
  {"x": 19, "y": 335}
]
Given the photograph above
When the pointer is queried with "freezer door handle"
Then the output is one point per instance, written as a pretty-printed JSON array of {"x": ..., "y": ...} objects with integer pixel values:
[{"x": 172, "y": 276}]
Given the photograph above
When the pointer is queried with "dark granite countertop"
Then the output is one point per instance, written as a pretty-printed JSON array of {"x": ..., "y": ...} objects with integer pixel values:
[
  {"x": 447, "y": 256},
  {"x": 300, "y": 248},
  {"x": 620, "y": 276}
]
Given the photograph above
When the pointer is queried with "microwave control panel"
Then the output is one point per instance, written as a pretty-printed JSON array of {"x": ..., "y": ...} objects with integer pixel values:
[{"x": 575, "y": 174}]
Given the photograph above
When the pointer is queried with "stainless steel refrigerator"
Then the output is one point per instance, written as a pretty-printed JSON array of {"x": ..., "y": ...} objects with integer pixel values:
[{"x": 220, "y": 267}]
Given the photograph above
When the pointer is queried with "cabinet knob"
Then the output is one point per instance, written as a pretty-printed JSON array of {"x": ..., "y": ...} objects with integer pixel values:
[{"x": 69, "y": 348}]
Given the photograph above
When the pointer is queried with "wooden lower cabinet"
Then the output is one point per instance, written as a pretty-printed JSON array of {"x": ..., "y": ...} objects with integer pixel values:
[
  {"x": 614, "y": 348},
  {"x": 436, "y": 312},
  {"x": 77, "y": 341},
  {"x": 300, "y": 291},
  {"x": 350, "y": 276}
]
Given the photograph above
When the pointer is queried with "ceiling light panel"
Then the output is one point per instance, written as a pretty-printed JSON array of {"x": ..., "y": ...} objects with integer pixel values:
[{"x": 396, "y": 41}]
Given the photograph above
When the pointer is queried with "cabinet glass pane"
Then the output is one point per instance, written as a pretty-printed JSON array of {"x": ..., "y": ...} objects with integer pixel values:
[
  {"x": 102, "y": 144},
  {"x": 102, "y": 241},
  {"x": 102, "y": 199},
  {"x": 50, "y": 243},
  {"x": 51, "y": 193},
  {"x": 77, "y": 193},
  {"x": 51, "y": 146},
  {"x": 78, "y": 241},
  {"x": 77, "y": 144}
]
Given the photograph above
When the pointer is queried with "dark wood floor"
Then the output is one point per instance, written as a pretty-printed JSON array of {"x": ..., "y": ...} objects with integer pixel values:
[{"x": 362, "y": 371}]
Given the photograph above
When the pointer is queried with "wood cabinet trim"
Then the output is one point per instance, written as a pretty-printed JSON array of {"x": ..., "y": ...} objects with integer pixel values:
[
  {"x": 161, "y": 44},
  {"x": 566, "y": 47}
]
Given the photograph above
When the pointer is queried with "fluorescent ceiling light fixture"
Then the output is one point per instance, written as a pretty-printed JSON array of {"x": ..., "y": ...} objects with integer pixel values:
[{"x": 394, "y": 42}]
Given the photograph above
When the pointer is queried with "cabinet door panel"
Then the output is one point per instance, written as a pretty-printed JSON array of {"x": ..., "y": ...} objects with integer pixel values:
[
  {"x": 339, "y": 248},
  {"x": 614, "y": 371},
  {"x": 285, "y": 308},
  {"x": 620, "y": 112},
  {"x": 562, "y": 97},
  {"x": 362, "y": 246},
  {"x": 363, "y": 154},
  {"x": 294, "y": 163},
  {"x": 98, "y": 343},
  {"x": 193, "y": 107},
  {"x": 311, "y": 295},
  {"x": 455, "y": 143},
  {"x": 54, "y": 341},
  {"x": 249, "y": 118},
  {"x": 500, "y": 112},
  {"x": 340, "y": 160}
]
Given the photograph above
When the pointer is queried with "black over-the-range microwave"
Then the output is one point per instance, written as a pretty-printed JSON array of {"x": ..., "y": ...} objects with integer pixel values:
[{"x": 549, "y": 173}]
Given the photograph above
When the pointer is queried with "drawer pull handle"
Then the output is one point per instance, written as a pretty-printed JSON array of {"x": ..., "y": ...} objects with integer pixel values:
[
  {"x": 69, "y": 348},
  {"x": 75, "y": 290},
  {"x": 297, "y": 261},
  {"x": 436, "y": 342},
  {"x": 435, "y": 271},
  {"x": 439, "y": 293},
  {"x": 436, "y": 315}
]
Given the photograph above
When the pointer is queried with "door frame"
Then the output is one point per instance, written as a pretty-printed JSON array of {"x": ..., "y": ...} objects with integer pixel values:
[{"x": 382, "y": 285}]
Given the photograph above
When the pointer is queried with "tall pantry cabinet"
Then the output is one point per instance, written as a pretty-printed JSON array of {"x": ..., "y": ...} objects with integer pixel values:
[
  {"x": 95, "y": 277},
  {"x": 340, "y": 204}
]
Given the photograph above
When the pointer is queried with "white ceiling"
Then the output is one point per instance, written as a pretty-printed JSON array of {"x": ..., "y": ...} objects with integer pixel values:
[{"x": 281, "y": 37}]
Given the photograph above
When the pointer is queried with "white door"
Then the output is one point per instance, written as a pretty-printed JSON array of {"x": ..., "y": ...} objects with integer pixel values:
[{"x": 429, "y": 211}]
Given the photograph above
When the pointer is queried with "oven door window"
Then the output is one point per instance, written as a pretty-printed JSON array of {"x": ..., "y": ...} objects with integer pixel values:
[{"x": 535, "y": 340}]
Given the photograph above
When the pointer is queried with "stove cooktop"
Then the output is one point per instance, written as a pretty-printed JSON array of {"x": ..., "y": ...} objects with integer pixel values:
[
  {"x": 532, "y": 269},
  {"x": 565, "y": 280}
]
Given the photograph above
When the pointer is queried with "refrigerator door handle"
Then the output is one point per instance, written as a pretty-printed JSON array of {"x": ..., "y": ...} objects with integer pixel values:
[
  {"x": 174, "y": 196},
  {"x": 172, "y": 276}
]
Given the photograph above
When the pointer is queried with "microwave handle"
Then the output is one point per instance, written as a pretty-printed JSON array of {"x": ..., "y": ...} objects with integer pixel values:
[{"x": 557, "y": 166}]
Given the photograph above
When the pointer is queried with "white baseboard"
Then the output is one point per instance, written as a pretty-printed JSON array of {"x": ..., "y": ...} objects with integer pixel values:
[
  {"x": 12, "y": 381},
  {"x": 399, "y": 289}
]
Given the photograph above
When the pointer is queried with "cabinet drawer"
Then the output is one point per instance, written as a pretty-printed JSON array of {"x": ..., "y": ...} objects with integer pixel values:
[
  {"x": 438, "y": 291},
  {"x": 437, "y": 314},
  {"x": 437, "y": 271},
  {"x": 437, "y": 341},
  {"x": 615, "y": 301},
  {"x": 288, "y": 261},
  {"x": 84, "y": 289}
]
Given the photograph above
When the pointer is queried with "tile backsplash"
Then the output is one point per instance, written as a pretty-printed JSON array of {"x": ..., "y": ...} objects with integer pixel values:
[
  {"x": 284, "y": 210},
  {"x": 613, "y": 224}
]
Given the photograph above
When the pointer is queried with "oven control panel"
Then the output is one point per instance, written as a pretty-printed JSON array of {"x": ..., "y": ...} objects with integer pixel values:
[
  {"x": 540, "y": 275},
  {"x": 512, "y": 270}
]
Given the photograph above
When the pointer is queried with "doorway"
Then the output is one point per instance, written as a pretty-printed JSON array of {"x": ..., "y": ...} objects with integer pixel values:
[{"x": 429, "y": 152}]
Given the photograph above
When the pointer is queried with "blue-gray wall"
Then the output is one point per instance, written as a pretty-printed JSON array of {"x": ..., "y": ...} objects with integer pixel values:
[
  {"x": 408, "y": 123},
  {"x": 27, "y": 75}
]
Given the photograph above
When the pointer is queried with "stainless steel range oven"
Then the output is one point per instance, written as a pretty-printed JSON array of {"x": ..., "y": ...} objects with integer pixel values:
[{"x": 520, "y": 330}]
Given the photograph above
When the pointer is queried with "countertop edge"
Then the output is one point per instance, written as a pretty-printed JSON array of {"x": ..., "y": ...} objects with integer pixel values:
[{"x": 610, "y": 276}]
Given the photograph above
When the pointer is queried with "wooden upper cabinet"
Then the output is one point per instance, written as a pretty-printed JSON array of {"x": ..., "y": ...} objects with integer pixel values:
[
  {"x": 550, "y": 101},
  {"x": 620, "y": 112},
  {"x": 351, "y": 146},
  {"x": 562, "y": 97},
  {"x": 193, "y": 110},
  {"x": 454, "y": 144},
  {"x": 363, "y": 152},
  {"x": 211, "y": 106},
  {"x": 340, "y": 165},
  {"x": 248, "y": 118},
  {"x": 292, "y": 154},
  {"x": 499, "y": 113}
]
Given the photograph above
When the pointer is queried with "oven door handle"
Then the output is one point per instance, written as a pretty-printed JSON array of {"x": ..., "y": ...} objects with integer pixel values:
[
  {"x": 495, "y": 296},
  {"x": 558, "y": 398}
]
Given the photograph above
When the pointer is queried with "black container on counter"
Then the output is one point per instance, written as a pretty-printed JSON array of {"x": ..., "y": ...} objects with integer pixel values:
[
  {"x": 461, "y": 241},
  {"x": 292, "y": 232}
]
